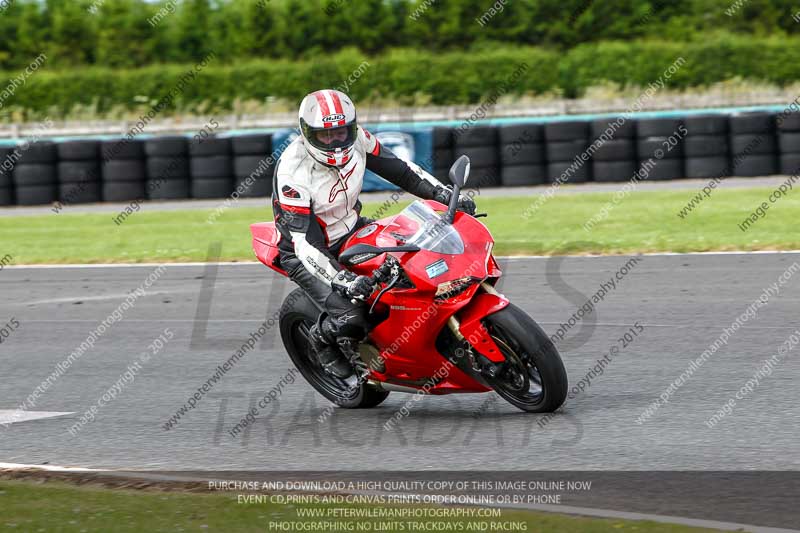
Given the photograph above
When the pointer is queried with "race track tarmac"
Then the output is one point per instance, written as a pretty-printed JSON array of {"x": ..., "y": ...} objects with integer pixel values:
[
  {"x": 683, "y": 302},
  {"x": 677, "y": 306}
]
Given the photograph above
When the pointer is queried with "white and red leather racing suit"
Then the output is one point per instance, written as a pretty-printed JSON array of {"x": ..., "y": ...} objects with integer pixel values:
[{"x": 317, "y": 208}]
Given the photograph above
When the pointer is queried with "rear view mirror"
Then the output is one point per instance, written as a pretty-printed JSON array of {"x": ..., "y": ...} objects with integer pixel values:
[
  {"x": 460, "y": 171},
  {"x": 364, "y": 252}
]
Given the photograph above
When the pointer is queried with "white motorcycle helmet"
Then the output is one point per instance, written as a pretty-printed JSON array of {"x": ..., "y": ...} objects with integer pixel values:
[{"x": 328, "y": 126}]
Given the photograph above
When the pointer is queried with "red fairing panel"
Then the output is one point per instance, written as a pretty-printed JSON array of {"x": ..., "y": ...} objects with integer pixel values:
[
  {"x": 482, "y": 305},
  {"x": 265, "y": 244}
]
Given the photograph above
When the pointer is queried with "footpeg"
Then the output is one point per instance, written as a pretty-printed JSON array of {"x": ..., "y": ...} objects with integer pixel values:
[{"x": 349, "y": 348}]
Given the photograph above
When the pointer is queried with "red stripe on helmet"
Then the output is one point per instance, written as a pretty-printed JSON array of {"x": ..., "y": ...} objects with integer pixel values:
[
  {"x": 323, "y": 104},
  {"x": 337, "y": 103},
  {"x": 323, "y": 108}
]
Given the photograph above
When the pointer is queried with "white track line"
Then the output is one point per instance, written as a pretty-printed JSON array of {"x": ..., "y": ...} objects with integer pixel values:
[
  {"x": 13, "y": 416},
  {"x": 46, "y": 468},
  {"x": 511, "y": 257}
]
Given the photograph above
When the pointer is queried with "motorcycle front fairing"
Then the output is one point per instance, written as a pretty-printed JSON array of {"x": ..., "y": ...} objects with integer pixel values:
[{"x": 447, "y": 273}]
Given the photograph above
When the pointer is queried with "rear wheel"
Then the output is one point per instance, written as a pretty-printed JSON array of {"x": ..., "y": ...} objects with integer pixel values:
[
  {"x": 534, "y": 379},
  {"x": 298, "y": 315}
]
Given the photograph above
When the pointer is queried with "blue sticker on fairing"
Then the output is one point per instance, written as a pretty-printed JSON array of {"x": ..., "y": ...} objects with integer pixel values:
[{"x": 436, "y": 269}]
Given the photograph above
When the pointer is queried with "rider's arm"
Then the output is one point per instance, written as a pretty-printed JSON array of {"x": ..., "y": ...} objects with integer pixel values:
[
  {"x": 296, "y": 218},
  {"x": 408, "y": 176}
]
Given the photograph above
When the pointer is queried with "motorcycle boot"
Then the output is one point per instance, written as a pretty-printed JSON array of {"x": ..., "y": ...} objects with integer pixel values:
[{"x": 322, "y": 336}]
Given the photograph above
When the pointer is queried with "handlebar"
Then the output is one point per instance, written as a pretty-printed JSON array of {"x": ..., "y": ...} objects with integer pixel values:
[
  {"x": 383, "y": 273},
  {"x": 389, "y": 272}
]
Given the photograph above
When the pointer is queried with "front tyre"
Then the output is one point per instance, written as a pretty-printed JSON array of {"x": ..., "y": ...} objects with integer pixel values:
[
  {"x": 298, "y": 315},
  {"x": 534, "y": 378}
]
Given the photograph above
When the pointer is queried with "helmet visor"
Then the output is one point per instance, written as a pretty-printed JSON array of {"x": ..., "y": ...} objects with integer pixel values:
[{"x": 332, "y": 138}]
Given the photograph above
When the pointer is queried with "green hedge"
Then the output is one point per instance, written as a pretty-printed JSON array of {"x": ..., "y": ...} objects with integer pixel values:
[{"x": 408, "y": 76}]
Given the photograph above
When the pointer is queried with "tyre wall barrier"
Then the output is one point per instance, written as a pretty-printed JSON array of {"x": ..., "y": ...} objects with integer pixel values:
[
  {"x": 79, "y": 172},
  {"x": 124, "y": 170},
  {"x": 519, "y": 153},
  {"x": 35, "y": 173},
  {"x": 614, "y": 149},
  {"x": 211, "y": 168},
  {"x": 252, "y": 173},
  {"x": 169, "y": 167}
]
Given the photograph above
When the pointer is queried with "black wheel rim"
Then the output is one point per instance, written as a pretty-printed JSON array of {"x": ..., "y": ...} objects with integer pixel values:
[
  {"x": 342, "y": 389},
  {"x": 520, "y": 379}
]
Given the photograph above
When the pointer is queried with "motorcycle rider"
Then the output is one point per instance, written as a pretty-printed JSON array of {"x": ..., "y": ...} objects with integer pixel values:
[{"x": 315, "y": 202}]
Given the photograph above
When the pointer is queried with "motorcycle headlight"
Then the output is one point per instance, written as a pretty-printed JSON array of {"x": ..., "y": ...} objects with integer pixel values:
[{"x": 450, "y": 289}]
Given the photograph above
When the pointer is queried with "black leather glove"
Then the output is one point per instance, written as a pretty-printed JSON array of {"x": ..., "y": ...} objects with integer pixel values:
[
  {"x": 465, "y": 203},
  {"x": 352, "y": 286}
]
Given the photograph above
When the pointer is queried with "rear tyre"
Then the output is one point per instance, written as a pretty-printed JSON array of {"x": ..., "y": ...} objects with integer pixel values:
[
  {"x": 535, "y": 380},
  {"x": 298, "y": 315}
]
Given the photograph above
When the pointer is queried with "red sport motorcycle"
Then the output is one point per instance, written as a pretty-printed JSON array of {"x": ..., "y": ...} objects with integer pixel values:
[{"x": 438, "y": 324}]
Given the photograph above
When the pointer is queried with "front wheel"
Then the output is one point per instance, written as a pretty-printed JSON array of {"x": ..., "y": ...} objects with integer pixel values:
[
  {"x": 534, "y": 378},
  {"x": 298, "y": 315}
]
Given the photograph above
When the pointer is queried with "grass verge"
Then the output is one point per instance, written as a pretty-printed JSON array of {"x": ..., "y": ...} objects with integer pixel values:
[
  {"x": 641, "y": 222},
  {"x": 57, "y": 506}
]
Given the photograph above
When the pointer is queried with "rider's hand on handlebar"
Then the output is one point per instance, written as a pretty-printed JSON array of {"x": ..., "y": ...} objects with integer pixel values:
[
  {"x": 383, "y": 273},
  {"x": 352, "y": 286},
  {"x": 444, "y": 194}
]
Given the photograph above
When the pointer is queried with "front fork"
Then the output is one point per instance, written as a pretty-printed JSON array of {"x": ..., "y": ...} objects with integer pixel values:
[{"x": 470, "y": 331}]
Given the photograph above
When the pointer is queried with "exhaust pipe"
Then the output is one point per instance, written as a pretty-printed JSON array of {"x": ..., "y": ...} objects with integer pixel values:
[{"x": 389, "y": 387}]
